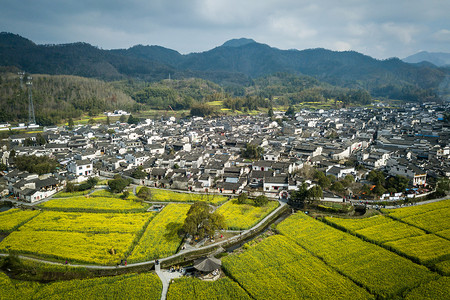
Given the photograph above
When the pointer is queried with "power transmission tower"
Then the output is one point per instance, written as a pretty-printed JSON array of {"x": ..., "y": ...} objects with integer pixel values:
[
  {"x": 31, "y": 118},
  {"x": 21, "y": 74}
]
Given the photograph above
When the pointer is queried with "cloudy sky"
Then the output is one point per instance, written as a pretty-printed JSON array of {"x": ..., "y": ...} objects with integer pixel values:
[{"x": 379, "y": 28}]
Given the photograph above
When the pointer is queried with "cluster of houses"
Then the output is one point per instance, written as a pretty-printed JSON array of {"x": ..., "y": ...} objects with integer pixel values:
[{"x": 204, "y": 155}]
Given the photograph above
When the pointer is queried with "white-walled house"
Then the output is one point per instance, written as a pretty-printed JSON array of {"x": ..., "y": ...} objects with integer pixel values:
[{"x": 80, "y": 167}]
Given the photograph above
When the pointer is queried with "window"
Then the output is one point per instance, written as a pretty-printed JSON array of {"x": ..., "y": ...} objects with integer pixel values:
[{"x": 79, "y": 168}]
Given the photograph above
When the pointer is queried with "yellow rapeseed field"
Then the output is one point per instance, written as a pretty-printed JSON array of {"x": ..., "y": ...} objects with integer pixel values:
[
  {"x": 13, "y": 218},
  {"x": 244, "y": 216},
  {"x": 129, "y": 286},
  {"x": 161, "y": 237},
  {"x": 277, "y": 268},
  {"x": 159, "y": 195},
  {"x": 382, "y": 272},
  {"x": 88, "y": 222},
  {"x": 93, "y": 248},
  {"x": 101, "y": 204},
  {"x": 193, "y": 288}
]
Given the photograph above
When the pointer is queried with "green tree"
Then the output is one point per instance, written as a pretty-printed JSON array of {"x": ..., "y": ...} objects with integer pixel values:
[
  {"x": 36, "y": 164},
  {"x": 123, "y": 118},
  {"x": 337, "y": 187},
  {"x": 3, "y": 167},
  {"x": 70, "y": 187},
  {"x": 118, "y": 184},
  {"x": 261, "y": 200},
  {"x": 108, "y": 121},
  {"x": 299, "y": 197},
  {"x": 40, "y": 140},
  {"x": 252, "y": 151},
  {"x": 270, "y": 113},
  {"x": 315, "y": 193},
  {"x": 133, "y": 120},
  {"x": 378, "y": 190},
  {"x": 376, "y": 177},
  {"x": 200, "y": 221},
  {"x": 242, "y": 198},
  {"x": 290, "y": 112},
  {"x": 139, "y": 173},
  {"x": 70, "y": 123},
  {"x": 145, "y": 193},
  {"x": 91, "y": 121},
  {"x": 322, "y": 179}
]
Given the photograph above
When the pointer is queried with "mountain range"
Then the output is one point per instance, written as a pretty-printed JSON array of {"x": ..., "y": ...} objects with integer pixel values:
[
  {"x": 236, "y": 62},
  {"x": 439, "y": 59}
]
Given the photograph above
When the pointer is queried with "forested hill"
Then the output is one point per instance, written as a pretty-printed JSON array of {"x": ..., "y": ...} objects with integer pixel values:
[
  {"x": 58, "y": 97},
  {"x": 236, "y": 62}
]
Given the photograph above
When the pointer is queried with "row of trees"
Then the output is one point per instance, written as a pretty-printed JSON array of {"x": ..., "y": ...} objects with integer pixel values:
[{"x": 36, "y": 164}]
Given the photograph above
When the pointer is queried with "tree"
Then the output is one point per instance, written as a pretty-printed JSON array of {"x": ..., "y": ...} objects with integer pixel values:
[
  {"x": 202, "y": 110},
  {"x": 36, "y": 164},
  {"x": 290, "y": 112},
  {"x": 337, "y": 187},
  {"x": 108, "y": 121},
  {"x": 145, "y": 193},
  {"x": 300, "y": 196},
  {"x": 117, "y": 185},
  {"x": 322, "y": 179},
  {"x": 40, "y": 140},
  {"x": 242, "y": 198},
  {"x": 70, "y": 123},
  {"x": 315, "y": 193},
  {"x": 133, "y": 120},
  {"x": 201, "y": 221},
  {"x": 123, "y": 118},
  {"x": 70, "y": 187},
  {"x": 3, "y": 167},
  {"x": 261, "y": 200},
  {"x": 138, "y": 173},
  {"x": 91, "y": 121},
  {"x": 270, "y": 113},
  {"x": 252, "y": 151},
  {"x": 376, "y": 177}
]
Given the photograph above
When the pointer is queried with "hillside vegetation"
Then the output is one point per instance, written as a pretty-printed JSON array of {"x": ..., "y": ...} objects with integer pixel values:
[{"x": 58, "y": 97}]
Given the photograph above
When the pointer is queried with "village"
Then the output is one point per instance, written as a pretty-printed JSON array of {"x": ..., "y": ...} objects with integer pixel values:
[{"x": 210, "y": 155}]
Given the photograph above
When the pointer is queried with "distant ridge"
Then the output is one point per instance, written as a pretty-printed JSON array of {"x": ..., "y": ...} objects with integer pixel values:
[
  {"x": 439, "y": 59},
  {"x": 236, "y": 63},
  {"x": 238, "y": 42}
]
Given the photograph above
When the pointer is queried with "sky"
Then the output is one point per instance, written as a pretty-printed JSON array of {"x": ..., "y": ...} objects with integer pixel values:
[{"x": 379, "y": 28}]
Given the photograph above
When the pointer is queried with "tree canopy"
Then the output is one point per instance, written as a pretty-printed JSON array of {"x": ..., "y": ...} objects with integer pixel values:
[{"x": 200, "y": 221}]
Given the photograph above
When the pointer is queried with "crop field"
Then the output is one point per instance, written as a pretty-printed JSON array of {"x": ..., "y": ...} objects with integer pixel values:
[
  {"x": 88, "y": 222},
  {"x": 130, "y": 286},
  {"x": 404, "y": 212},
  {"x": 443, "y": 267},
  {"x": 95, "y": 204},
  {"x": 427, "y": 249},
  {"x": 94, "y": 248},
  {"x": 244, "y": 216},
  {"x": 161, "y": 237},
  {"x": 108, "y": 194},
  {"x": 382, "y": 272},
  {"x": 193, "y": 288},
  {"x": 277, "y": 268},
  {"x": 436, "y": 289},
  {"x": 433, "y": 221},
  {"x": 169, "y": 196},
  {"x": 379, "y": 229},
  {"x": 405, "y": 239},
  {"x": 14, "y": 218}
]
